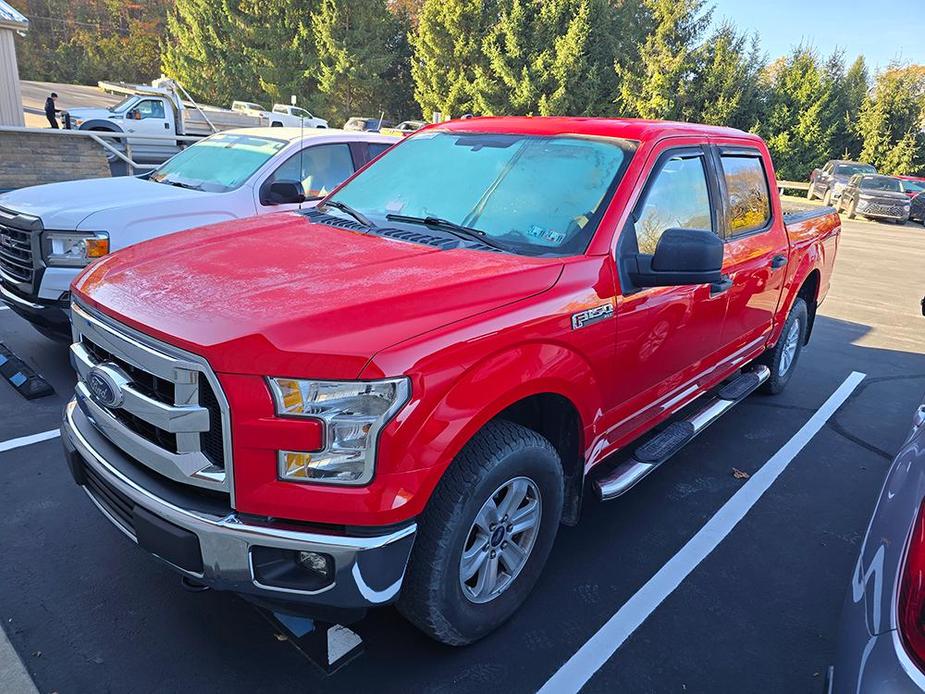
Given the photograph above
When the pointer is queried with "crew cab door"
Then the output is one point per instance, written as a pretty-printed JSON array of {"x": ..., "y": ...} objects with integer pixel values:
[
  {"x": 757, "y": 249},
  {"x": 149, "y": 117},
  {"x": 319, "y": 168},
  {"x": 669, "y": 339}
]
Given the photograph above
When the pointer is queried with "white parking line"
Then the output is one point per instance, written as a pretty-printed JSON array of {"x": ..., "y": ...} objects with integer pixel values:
[
  {"x": 576, "y": 672},
  {"x": 27, "y": 440}
]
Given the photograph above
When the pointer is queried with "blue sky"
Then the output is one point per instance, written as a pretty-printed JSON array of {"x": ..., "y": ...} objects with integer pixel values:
[{"x": 881, "y": 31}]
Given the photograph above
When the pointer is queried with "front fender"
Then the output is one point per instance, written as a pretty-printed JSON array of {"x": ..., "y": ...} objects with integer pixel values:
[
  {"x": 429, "y": 442},
  {"x": 101, "y": 124}
]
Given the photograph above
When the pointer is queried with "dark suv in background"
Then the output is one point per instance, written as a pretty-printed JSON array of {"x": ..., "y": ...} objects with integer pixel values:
[
  {"x": 875, "y": 196},
  {"x": 828, "y": 182}
]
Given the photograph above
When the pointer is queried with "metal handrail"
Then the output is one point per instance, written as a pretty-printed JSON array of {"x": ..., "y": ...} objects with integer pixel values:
[{"x": 98, "y": 135}]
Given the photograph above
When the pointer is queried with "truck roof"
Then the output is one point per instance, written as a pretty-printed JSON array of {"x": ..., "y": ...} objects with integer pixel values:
[
  {"x": 293, "y": 134},
  {"x": 627, "y": 128}
]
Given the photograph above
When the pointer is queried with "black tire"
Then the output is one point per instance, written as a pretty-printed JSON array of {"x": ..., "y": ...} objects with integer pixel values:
[
  {"x": 853, "y": 210},
  {"x": 432, "y": 596},
  {"x": 827, "y": 198},
  {"x": 774, "y": 357},
  {"x": 811, "y": 193}
]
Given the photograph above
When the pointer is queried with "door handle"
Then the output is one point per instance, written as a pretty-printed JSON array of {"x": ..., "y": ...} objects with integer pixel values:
[
  {"x": 719, "y": 287},
  {"x": 166, "y": 126},
  {"x": 778, "y": 261}
]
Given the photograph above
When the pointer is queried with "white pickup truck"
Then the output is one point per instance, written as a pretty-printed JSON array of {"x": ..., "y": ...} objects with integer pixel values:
[
  {"x": 150, "y": 113},
  {"x": 49, "y": 233},
  {"x": 282, "y": 115}
]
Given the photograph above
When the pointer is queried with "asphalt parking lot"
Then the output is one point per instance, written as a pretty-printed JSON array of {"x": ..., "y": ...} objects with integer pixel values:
[{"x": 88, "y": 612}]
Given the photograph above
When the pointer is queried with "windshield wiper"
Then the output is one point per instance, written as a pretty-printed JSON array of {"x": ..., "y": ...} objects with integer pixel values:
[
  {"x": 458, "y": 230},
  {"x": 344, "y": 207},
  {"x": 178, "y": 184}
]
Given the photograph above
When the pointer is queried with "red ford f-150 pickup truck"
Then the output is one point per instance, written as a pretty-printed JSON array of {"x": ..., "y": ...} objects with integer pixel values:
[{"x": 400, "y": 395}]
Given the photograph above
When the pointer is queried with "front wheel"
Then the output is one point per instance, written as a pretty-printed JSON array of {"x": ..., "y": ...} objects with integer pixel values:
[
  {"x": 783, "y": 357},
  {"x": 827, "y": 198},
  {"x": 852, "y": 210},
  {"x": 485, "y": 536},
  {"x": 811, "y": 193}
]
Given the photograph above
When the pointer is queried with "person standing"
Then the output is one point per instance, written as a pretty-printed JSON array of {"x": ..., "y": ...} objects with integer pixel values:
[{"x": 51, "y": 111}]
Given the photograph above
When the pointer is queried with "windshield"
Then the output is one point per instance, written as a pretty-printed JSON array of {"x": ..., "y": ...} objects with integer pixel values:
[
  {"x": 218, "y": 164},
  {"x": 528, "y": 194},
  {"x": 851, "y": 169},
  {"x": 880, "y": 183},
  {"x": 122, "y": 105}
]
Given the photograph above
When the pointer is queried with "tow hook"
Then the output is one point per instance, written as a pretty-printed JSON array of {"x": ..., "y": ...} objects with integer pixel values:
[{"x": 192, "y": 586}]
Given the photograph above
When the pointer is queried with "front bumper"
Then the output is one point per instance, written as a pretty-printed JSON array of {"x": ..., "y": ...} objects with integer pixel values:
[
  {"x": 51, "y": 317},
  {"x": 202, "y": 539}
]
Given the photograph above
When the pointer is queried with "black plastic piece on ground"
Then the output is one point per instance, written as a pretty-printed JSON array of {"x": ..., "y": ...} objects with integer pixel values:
[
  {"x": 327, "y": 646},
  {"x": 665, "y": 444},
  {"x": 21, "y": 376},
  {"x": 740, "y": 387}
]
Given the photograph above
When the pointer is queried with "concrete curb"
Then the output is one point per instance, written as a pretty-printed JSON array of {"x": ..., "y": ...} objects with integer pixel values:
[{"x": 13, "y": 675}]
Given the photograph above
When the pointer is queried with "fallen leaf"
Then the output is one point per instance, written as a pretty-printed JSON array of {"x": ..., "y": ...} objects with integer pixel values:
[
  {"x": 280, "y": 637},
  {"x": 739, "y": 474}
]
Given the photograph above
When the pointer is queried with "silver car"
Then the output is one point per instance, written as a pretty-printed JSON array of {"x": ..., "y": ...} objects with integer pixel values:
[{"x": 881, "y": 646}]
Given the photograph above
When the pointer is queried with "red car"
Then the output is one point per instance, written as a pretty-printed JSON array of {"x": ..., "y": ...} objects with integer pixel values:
[
  {"x": 911, "y": 185},
  {"x": 401, "y": 395}
]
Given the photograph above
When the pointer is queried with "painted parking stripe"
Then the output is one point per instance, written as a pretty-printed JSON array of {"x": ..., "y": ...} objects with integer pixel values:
[
  {"x": 576, "y": 672},
  {"x": 27, "y": 440}
]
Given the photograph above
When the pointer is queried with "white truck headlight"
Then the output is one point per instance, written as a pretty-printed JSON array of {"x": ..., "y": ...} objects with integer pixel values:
[
  {"x": 75, "y": 248},
  {"x": 353, "y": 413}
]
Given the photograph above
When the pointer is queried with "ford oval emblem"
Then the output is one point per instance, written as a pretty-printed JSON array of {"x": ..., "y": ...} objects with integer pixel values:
[{"x": 103, "y": 387}]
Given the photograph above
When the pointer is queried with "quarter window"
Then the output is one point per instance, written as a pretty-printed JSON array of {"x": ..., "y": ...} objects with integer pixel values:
[
  {"x": 323, "y": 167},
  {"x": 677, "y": 198},
  {"x": 749, "y": 199}
]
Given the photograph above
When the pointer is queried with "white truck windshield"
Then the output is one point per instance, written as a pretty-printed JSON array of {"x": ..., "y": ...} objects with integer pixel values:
[{"x": 218, "y": 164}]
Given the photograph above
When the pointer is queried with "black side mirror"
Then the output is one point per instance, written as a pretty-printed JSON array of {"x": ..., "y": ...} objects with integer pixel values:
[
  {"x": 285, "y": 193},
  {"x": 682, "y": 257}
]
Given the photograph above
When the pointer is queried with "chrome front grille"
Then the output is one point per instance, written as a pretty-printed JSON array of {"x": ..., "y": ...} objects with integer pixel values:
[
  {"x": 16, "y": 255},
  {"x": 886, "y": 208},
  {"x": 168, "y": 413}
]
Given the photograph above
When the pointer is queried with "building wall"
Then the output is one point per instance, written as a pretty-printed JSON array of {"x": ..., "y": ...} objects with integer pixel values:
[
  {"x": 10, "y": 96},
  {"x": 41, "y": 156}
]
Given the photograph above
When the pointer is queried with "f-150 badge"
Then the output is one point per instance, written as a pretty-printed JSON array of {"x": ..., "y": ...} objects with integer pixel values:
[{"x": 589, "y": 316}]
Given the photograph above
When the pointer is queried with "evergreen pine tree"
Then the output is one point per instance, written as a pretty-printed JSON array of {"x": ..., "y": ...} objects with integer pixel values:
[
  {"x": 891, "y": 121},
  {"x": 657, "y": 84},
  {"x": 352, "y": 40}
]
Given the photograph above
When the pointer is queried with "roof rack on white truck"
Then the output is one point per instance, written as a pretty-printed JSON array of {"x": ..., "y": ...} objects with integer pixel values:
[{"x": 149, "y": 112}]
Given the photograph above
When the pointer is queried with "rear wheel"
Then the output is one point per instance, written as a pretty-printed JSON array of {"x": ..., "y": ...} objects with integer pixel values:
[
  {"x": 783, "y": 357},
  {"x": 485, "y": 536}
]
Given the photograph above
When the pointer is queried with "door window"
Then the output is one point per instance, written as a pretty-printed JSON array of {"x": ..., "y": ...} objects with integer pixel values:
[
  {"x": 323, "y": 167},
  {"x": 677, "y": 198},
  {"x": 749, "y": 198},
  {"x": 150, "y": 108}
]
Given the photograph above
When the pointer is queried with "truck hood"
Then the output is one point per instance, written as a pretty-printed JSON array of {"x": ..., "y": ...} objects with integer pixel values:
[
  {"x": 281, "y": 295},
  {"x": 883, "y": 195},
  {"x": 65, "y": 205},
  {"x": 88, "y": 113}
]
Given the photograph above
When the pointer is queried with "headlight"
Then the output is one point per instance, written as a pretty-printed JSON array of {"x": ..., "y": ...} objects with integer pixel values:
[
  {"x": 353, "y": 412},
  {"x": 75, "y": 248}
]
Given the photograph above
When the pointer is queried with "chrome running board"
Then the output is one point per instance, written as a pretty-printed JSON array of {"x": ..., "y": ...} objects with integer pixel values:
[{"x": 664, "y": 445}]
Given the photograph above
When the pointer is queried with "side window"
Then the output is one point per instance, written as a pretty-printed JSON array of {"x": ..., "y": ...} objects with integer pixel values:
[
  {"x": 377, "y": 148},
  {"x": 749, "y": 198},
  {"x": 323, "y": 167},
  {"x": 677, "y": 198},
  {"x": 150, "y": 108}
]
